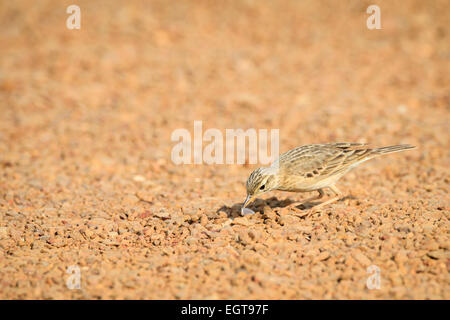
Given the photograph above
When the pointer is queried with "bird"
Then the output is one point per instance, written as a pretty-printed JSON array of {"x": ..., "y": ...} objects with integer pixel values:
[{"x": 313, "y": 167}]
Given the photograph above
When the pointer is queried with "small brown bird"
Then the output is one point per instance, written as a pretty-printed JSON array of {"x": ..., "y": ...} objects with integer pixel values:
[{"x": 313, "y": 167}]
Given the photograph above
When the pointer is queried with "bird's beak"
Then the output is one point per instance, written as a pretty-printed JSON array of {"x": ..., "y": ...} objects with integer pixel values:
[{"x": 248, "y": 200}]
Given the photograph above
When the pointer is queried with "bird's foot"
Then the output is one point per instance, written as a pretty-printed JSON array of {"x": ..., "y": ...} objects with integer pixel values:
[{"x": 302, "y": 213}]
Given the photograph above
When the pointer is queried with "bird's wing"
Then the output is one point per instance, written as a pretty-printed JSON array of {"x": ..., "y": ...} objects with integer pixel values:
[{"x": 313, "y": 161}]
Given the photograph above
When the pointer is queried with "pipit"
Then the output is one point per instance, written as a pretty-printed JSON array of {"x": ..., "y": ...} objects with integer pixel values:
[{"x": 312, "y": 167}]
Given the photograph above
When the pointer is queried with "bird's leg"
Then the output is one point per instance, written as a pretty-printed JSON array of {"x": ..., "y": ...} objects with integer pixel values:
[
  {"x": 297, "y": 203},
  {"x": 336, "y": 191}
]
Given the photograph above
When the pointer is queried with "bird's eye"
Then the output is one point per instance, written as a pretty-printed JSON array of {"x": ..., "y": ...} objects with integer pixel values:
[{"x": 262, "y": 187}]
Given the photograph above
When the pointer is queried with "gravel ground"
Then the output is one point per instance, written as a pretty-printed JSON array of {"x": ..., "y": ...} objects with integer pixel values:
[{"x": 87, "y": 178}]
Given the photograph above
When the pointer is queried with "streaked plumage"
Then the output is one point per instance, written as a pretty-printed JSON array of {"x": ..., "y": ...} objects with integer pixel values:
[{"x": 313, "y": 167}]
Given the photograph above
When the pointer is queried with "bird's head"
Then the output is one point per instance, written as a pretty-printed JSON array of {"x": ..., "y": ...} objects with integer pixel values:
[{"x": 260, "y": 181}]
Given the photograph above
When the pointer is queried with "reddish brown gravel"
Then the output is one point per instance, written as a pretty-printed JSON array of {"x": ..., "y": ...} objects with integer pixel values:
[{"x": 86, "y": 177}]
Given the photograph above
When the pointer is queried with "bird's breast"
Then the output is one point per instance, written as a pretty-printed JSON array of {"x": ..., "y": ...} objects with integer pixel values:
[{"x": 301, "y": 184}]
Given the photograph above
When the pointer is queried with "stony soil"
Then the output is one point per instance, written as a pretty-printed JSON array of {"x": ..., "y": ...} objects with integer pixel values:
[{"x": 87, "y": 180}]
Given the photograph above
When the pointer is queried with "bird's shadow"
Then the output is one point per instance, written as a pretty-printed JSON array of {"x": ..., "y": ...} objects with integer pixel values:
[{"x": 258, "y": 205}]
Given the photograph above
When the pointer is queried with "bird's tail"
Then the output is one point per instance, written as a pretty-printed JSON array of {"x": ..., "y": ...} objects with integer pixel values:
[{"x": 392, "y": 149}]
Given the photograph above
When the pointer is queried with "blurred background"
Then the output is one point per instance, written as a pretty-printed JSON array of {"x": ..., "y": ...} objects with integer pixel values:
[{"x": 86, "y": 115}]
